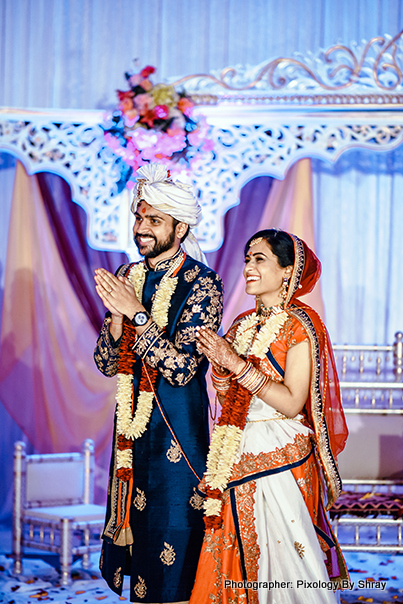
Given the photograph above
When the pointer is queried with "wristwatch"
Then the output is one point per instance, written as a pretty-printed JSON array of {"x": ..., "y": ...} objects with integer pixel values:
[{"x": 140, "y": 318}]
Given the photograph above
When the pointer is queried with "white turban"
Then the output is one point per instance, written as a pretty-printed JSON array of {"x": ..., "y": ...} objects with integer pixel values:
[{"x": 176, "y": 199}]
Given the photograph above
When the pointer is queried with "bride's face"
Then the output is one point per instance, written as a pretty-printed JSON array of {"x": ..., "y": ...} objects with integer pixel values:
[{"x": 263, "y": 274}]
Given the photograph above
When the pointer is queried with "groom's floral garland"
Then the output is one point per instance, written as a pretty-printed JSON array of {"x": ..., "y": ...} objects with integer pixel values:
[
  {"x": 227, "y": 434},
  {"x": 129, "y": 427}
]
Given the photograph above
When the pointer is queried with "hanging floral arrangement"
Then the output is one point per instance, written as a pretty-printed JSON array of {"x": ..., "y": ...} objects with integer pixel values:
[{"x": 155, "y": 123}]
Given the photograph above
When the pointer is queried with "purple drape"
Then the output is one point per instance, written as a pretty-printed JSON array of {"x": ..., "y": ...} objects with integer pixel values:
[{"x": 69, "y": 223}]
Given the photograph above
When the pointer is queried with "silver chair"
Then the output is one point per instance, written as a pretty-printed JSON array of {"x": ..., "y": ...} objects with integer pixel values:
[
  {"x": 369, "y": 515},
  {"x": 53, "y": 506}
]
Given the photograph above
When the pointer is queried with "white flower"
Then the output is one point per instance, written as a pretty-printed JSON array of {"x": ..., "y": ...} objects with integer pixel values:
[
  {"x": 224, "y": 448},
  {"x": 244, "y": 333},
  {"x": 212, "y": 507},
  {"x": 162, "y": 298},
  {"x": 128, "y": 426},
  {"x": 137, "y": 276},
  {"x": 268, "y": 333},
  {"x": 124, "y": 458}
]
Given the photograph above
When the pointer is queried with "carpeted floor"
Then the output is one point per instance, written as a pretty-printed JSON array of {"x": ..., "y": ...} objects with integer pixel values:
[
  {"x": 40, "y": 583},
  {"x": 376, "y": 578}
]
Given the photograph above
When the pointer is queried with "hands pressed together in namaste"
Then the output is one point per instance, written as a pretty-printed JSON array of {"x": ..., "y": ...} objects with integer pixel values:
[
  {"x": 119, "y": 297},
  {"x": 218, "y": 351},
  {"x": 117, "y": 294}
]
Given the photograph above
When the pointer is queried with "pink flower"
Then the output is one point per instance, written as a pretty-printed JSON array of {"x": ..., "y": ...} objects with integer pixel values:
[
  {"x": 195, "y": 138},
  {"x": 111, "y": 141},
  {"x": 161, "y": 111},
  {"x": 143, "y": 102},
  {"x": 131, "y": 117},
  {"x": 155, "y": 144},
  {"x": 125, "y": 105},
  {"x": 134, "y": 80},
  {"x": 131, "y": 155},
  {"x": 174, "y": 131},
  {"x": 146, "y": 84},
  {"x": 144, "y": 139},
  {"x": 169, "y": 144}
]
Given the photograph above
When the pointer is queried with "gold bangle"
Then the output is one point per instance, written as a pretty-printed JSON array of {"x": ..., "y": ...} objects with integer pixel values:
[
  {"x": 117, "y": 324},
  {"x": 252, "y": 379}
]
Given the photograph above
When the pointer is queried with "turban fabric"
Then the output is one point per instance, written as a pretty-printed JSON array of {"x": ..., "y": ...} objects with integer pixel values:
[{"x": 176, "y": 199}]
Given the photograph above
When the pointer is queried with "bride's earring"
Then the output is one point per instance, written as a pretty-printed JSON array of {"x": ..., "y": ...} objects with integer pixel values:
[
  {"x": 284, "y": 285},
  {"x": 284, "y": 288}
]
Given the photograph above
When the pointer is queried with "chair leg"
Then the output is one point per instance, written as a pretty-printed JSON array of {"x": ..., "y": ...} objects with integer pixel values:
[
  {"x": 86, "y": 563},
  {"x": 17, "y": 566},
  {"x": 18, "y": 496},
  {"x": 17, "y": 545},
  {"x": 66, "y": 556}
]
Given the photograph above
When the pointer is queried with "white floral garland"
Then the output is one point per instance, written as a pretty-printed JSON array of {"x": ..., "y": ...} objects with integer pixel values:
[
  {"x": 268, "y": 333},
  {"x": 163, "y": 295},
  {"x": 222, "y": 453},
  {"x": 225, "y": 440},
  {"x": 133, "y": 427},
  {"x": 270, "y": 329}
]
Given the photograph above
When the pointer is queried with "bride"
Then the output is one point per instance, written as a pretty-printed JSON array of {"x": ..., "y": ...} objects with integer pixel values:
[{"x": 271, "y": 469}]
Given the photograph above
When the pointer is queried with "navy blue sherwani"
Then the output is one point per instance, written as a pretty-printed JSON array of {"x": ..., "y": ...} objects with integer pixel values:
[{"x": 166, "y": 515}]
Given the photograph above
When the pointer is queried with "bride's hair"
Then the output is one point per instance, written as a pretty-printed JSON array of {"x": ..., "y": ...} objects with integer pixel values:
[{"x": 280, "y": 242}]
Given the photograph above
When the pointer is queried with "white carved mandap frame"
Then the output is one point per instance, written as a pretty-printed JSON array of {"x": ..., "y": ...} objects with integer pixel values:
[{"x": 263, "y": 119}]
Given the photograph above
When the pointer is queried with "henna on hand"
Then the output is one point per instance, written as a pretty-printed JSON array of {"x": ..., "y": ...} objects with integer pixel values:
[{"x": 218, "y": 351}]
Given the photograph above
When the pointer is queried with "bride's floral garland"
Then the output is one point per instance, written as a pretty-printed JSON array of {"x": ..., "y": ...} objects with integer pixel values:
[
  {"x": 129, "y": 427},
  {"x": 227, "y": 434}
]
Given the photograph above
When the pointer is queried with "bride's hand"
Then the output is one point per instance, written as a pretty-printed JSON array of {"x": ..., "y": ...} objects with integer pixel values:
[{"x": 218, "y": 351}]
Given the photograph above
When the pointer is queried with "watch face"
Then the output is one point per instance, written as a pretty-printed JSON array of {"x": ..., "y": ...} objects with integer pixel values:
[{"x": 140, "y": 318}]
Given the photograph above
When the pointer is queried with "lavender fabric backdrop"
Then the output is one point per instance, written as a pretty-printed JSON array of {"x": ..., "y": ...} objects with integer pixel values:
[{"x": 69, "y": 223}]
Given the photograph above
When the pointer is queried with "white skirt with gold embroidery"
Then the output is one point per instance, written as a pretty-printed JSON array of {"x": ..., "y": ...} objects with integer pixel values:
[{"x": 291, "y": 561}]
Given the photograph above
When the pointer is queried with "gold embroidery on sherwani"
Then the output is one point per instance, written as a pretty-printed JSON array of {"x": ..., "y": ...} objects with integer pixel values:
[
  {"x": 196, "y": 500},
  {"x": 140, "y": 500},
  {"x": 105, "y": 355},
  {"x": 300, "y": 549},
  {"x": 168, "y": 555},
  {"x": 174, "y": 453},
  {"x": 140, "y": 588},
  {"x": 191, "y": 274},
  {"x": 117, "y": 578}
]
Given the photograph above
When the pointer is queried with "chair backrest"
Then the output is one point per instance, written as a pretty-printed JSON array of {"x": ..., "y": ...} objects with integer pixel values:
[
  {"x": 371, "y": 383},
  {"x": 54, "y": 479}
]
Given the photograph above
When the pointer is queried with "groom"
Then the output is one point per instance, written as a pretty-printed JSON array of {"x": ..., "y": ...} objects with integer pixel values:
[{"x": 154, "y": 527}]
